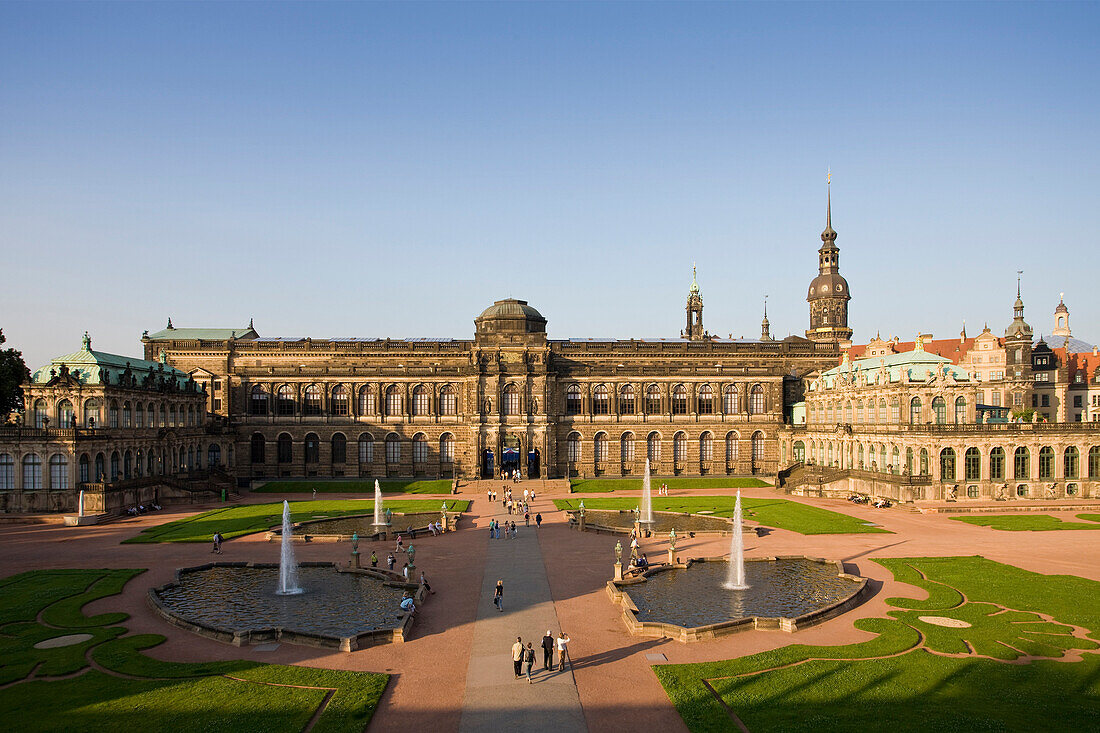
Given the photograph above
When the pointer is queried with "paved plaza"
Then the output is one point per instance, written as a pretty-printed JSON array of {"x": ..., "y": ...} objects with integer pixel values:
[{"x": 455, "y": 673}]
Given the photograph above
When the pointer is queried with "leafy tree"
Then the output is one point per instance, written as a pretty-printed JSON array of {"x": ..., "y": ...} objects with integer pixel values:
[
  {"x": 1027, "y": 414},
  {"x": 13, "y": 372}
]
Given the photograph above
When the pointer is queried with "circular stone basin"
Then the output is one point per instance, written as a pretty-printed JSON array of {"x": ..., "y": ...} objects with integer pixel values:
[
  {"x": 781, "y": 588},
  {"x": 951, "y": 623},
  {"x": 364, "y": 525},
  {"x": 663, "y": 522},
  {"x": 238, "y": 599},
  {"x": 59, "y": 641}
]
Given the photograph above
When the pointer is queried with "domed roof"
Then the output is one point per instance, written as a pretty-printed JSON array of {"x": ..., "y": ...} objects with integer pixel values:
[
  {"x": 510, "y": 307},
  {"x": 831, "y": 284}
]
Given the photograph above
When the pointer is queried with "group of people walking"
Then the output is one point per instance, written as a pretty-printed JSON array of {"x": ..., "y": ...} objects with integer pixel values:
[
  {"x": 494, "y": 529},
  {"x": 523, "y": 657}
]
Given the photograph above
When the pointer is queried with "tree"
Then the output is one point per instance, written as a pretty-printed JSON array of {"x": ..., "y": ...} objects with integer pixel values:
[{"x": 13, "y": 373}]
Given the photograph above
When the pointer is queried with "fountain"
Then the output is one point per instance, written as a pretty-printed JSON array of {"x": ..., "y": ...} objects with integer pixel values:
[
  {"x": 80, "y": 507},
  {"x": 647, "y": 498},
  {"x": 735, "y": 578},
  {"x": 378, "y": 519},
  {"x": 288, "y": 567}
]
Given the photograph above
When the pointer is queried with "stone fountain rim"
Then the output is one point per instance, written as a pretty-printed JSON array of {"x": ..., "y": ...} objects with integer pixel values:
[
  {"x": 747, "y": 525},
  {"x": 244, "y": 637},
  {"x": 724, "y": 628},
  {"x": 277, "y": 532}
]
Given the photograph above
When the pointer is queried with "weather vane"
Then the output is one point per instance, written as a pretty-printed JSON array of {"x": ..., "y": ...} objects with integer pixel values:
[{"x": 828, "y": 176}]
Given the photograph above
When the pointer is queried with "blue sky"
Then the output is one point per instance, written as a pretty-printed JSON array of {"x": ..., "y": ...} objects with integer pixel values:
[{"x": 390, "y": 170}]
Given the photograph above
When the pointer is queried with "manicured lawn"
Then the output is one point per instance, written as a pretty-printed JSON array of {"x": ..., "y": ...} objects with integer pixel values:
[
  {"x": 245, "y": 519},
  {"x": 778, "y": 513},
  {"x": 137, "y": 691},
  {"x": 1030, "y": 522},
  {"x": 600, "y": 485},
  {"x": 364, "y": 486},
  {"x": 899, "y": 677}
]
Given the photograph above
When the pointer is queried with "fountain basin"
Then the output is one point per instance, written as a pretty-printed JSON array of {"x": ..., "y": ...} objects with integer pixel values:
[
  {"x": 687, "y": 602},
  {"x": 236, "y": 603},
  {"x": 342, "y": 528},
  {"x": 621, "y": 522}
]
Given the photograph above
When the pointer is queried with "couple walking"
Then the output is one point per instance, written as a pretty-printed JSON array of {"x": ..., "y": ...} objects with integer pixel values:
[{"x": 523, "y": 657}]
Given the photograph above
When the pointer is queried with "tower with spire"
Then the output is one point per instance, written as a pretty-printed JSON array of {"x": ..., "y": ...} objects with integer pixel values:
[
  {"x": 828, "y": 296},
  {"x": 765, "y": 325},
  {"x": 694, "y": 330},
  {"x": 1018, "y": 337},
  {"x": 1061, "y": 318}
]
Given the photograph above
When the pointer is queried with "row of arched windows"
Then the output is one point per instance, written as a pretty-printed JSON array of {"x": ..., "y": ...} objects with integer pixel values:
[
  {"x": 601, "y": 447},
  {"x": 705, "y": 402},
  {"x": 338, "y": 444},
  {"x": 879, "y": 411},
  {"x": 285, "y": 401},
  {"x": 118, "y": 465},
  {"x": 124, "y": 414}
]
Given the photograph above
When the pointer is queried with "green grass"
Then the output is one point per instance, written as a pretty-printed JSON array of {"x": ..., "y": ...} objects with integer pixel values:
[
  {"x": 245, "y": 519},
  {"x": 778, "y": 513},
  {"x": 900, "y": 676},
  {"x": 355, "y": 486},
  {"x": 1029, "y": 522},
  {"x": 603, "y": 485},
  {"x": 226, "y": 696}
]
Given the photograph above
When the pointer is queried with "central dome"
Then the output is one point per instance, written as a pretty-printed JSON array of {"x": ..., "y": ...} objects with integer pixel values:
[
  {"x": 510, "y": 318},
  {"x": 511, "y": 307}
]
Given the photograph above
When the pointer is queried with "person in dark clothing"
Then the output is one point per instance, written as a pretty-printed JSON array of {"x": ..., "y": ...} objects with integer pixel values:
[
  {"x": 548, "y": 650},
  {"x": 538, "y": 520}
]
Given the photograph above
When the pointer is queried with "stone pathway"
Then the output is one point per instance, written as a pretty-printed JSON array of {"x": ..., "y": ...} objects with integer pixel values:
[{"x": 495, "y": 700}]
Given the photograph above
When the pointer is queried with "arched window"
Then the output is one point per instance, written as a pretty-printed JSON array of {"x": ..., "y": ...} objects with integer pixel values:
[
  {"x": 150, "y": 463},
  {"x": 829, "y": 413},
  {"x": 190, "y": 457},
  {"x": 939, "y": 409},
  {"x": 313, "y": 448},
  {"x": 339, "y": 448},
  {"x": 163, "y": 421},
  {"x": 653, "y": 400},
  {"x": 393, "y": 449},
  {"x": 859, "y": 411},
  {"x": 573, "y": 400},
  {"x": 448, "y": 401},
  {"x": 172, "y": 416},
  {"x": 1071, "y": 462},
  {"x": 626, "y": 448},
  {"x": 284, "y": 448},
  {"x": 213, "y": 455},
  {"x": 882, "y": 410},
  {"x": 653, "y": 447},
  {"x": 32, "y": 471},
  {"x": 799, "y": 451},
  {"x": 914, "y": 411},
  {"x": 756, "y": 400},
  {"x": 997, "y": 464},
  {"x": 757, "y": 447},
  {"x": 1021, "y": 468},
  {"x": 446, "y": 448},
  {"x": 420, "y": 448},
  {"x": 59, "y": 471},
  {"x": 573, "y": 448},
  {"x": 127, "y": 414},
  {"x": 7, "y": 472},
  {"x": 150, "y": 414},
  {"x": 731, "y": 400},
  {"x": 705, "y": 400},
  {"x": 679, "y": 405},
  {"x": 972, "y": 464},
  {"x": 91, "y": 416},
  {"x": 41, "y": 414},
  {"x": 139, "y": 415},
  {"x": 679, "y": 447},
  {"x": 394, "y": 403},
  {"x": 923, "y": 461},
  {"x": 960, "y": 411},
  {"x": 366, "y": 448},
  {"x": 100, "y": 467},
  {"x": 859, "y": 455},
  {"x": 626, "y": 400},
  {"x": 112, "y": 414},
  {"x": 421, "y": 400},
  {"x": 83, "y": 469},
  {"x": 1046, "y": 462},
  {"x": 600, "y": 447},
  {"x": 511, "y": 400},
  {"x": 258, "y": 448},
  {"x": 895, "y": 459},
  {"x": 706, "y": 447},
  {"x": 601, "y": 400},
  {"x": 65, "y": 414},
  {"x": 368, "y": 405},
  {"x": 848, "y": 413},
  {"x": 1094, "y": 461},
  {"x": 257, "y": 401},
  {"x": 284, "y": 400},
  {"x": 312, "y": 400},
  {"x": 947, "y": 464},
  {"x": 731, "y": 447},
  {"x": 116, "y": 463},
  {"x": 340, "y": 400}
]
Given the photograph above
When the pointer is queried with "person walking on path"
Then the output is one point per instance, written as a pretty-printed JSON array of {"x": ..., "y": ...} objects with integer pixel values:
[
  {"x": 563, "y": 650},
  {"x": 391, "y": 560},
  {"x": 514, "y": 533},
  {"x": 498, "y": 599},
  {"x": 506, "y": 531},
  {"x": 527, "y": 518},
  {"x": 424, "y": 582},
  {"x": 548, "y": 650},
  {"x": 373, "y": 559},
  {"x": 529, "y": 661},
  {"x": 405, "y": 572},
  {"x": 538, "y": 520},
  {"x": 517, "y": 656},
  {"x": 217, "y": 543}
]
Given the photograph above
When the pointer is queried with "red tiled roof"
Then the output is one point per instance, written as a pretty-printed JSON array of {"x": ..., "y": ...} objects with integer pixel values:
[{"x": 954, "y": 349}]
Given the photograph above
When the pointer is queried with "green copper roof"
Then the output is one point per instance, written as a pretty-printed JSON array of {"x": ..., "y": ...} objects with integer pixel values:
[
  {"x": 89, "y": 367},
  {"x": 919, "y": 364}
]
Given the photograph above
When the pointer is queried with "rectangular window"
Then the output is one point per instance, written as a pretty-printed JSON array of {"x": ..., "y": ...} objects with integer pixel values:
[
  {"x": 217, "y": 405},
  {"x": 1077, "y": 400},
  {"x": 996, "y": 395},
  {"x": 366, "y": 451}
]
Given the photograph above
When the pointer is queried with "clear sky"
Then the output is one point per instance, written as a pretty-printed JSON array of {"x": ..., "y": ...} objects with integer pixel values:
[{"x": 390, "y": 170}]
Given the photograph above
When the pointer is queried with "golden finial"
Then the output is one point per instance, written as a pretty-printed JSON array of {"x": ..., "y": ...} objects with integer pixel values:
[
  {"x": 828, "y": 176},
  {"x": 919, "y": 345}
]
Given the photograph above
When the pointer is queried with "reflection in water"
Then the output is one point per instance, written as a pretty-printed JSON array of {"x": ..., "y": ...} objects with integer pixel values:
[
  {"x": 779, "y": 589},
  {"x": 663, "y": 522},
  {"x": 333, "y": 604}
]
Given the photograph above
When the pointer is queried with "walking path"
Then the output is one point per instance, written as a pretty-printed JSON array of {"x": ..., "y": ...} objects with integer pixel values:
[{"x": 495, "y": 700}]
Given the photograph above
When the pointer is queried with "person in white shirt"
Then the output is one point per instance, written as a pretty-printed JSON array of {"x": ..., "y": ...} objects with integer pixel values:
[{"x": 563, "y": 640}]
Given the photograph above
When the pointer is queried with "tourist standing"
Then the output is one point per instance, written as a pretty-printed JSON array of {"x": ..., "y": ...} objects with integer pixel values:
[
  {"x": 498, "y": 601},
  {"x": 563, "y": 650},
  {"x": 538, "y": 520},
  {"x": 529, "y": 661},
  {"x": 514, "y": 533},
  {"x": 217, "y": 543},
  {"x": 548, "y": 650},
  {"x": 373, "y": 559},
  {"x": 391, "y": 560},
  {"x": 526, "y": 518},
  {"x": 517, "y": 656},
  {"x": 489, "y": 495},
  {"x": 405, "y": 572},
  {"x": 424, "y": 582}
]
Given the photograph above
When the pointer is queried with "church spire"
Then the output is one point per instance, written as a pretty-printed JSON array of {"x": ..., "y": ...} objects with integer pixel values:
[
  {"x": 694, "y": 330},
  {"x": 765, "y": 325}
]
